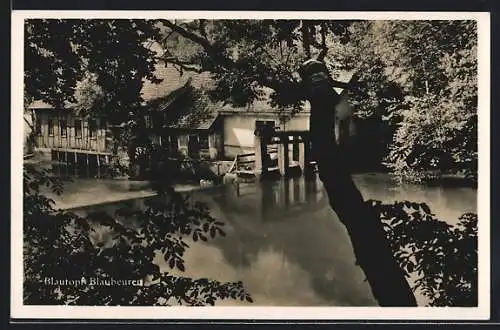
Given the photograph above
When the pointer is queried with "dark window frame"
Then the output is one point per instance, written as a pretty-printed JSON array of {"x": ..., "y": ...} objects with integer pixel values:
[
  {"x": 201, "y": 140},
  {"x": 38, "y": 126},
  {"x": 50, "y": 126},
  {"x": 63, "y": 127},
  {"x": 92, "y": 128}
]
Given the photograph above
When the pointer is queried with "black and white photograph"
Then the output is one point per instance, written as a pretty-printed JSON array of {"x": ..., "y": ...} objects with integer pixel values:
[{"x": 301, "y": 165}]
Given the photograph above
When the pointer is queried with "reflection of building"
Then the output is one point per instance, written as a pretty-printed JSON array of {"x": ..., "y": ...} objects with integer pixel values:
[{"x": 279, "y": 196}]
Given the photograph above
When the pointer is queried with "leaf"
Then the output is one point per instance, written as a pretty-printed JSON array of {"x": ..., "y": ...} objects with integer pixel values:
[{"x": 425, "y": 208}]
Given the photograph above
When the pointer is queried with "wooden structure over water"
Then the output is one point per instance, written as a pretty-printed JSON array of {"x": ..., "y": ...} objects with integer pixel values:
[{"x": 277, "y": 153}]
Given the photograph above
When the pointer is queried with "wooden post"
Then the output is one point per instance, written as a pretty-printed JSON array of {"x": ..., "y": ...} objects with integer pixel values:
[
  {"x": 281, "y": 158},
  {"x": 264, "y": 155},
  {"x": 258, "y": 167},
  {"x": 286, "y": 154},
  {"x": 307, "y": 156},
  {"x": 302, "y": 161}
]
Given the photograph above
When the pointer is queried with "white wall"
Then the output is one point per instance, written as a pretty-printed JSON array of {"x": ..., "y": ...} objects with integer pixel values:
[{"x": 239, "y": 130}]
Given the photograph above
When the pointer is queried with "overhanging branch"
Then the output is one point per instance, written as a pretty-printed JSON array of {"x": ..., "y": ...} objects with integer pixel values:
[
  {"x": 216, "y": 54},
  {"x": 187, "y": 66},
  {"x": 205, "y": 43}
]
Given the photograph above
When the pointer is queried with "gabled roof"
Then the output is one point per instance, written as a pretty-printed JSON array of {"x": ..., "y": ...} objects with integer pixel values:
[
  {"x": 187, "y": 107},
  {"x": 172, "y": 80}
]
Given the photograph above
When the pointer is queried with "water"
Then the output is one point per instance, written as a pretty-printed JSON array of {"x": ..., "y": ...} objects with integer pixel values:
[{"x": 286, "y": 244}]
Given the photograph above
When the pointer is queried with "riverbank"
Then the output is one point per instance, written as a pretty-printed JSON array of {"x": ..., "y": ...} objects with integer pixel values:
[{"x": 89, "y": 192}]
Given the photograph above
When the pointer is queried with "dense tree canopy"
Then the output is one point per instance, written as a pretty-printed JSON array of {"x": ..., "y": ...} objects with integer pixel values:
[
  {"x": 416, "y": 76},
  {"x": 421, "y": 77}
]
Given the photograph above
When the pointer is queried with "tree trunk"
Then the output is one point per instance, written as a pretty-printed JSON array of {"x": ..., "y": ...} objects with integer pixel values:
[{"x": 371, "y": 248}]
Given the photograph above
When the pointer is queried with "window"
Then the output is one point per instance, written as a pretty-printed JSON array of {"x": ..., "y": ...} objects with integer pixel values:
[
  {"x": 63, "y": 124},
  {"x": 92, "y": 128},
  {"x": 203, "y": 140},
  {"x": 50, "y": 124},
  {"x": 148, "y": 122},
  {"x": 78, "y": 128},
  {"x": 174, "y": 144},
  {"x": 262, "y": 126}
]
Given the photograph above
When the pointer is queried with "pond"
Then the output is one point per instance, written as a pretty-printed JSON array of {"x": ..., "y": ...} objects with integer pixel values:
[{"x": 287, "y": 245}]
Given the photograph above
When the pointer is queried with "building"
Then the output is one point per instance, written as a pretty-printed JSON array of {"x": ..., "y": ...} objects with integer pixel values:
[
  {"x": 186, "y": 121},
  {"x": 180, "y": 118},
  {"x": 63, "y": 135}
]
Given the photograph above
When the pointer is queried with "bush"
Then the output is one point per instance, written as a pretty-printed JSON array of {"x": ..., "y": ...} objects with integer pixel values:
[
  {"x": 63, "y": 245},
  {"x": 442, "y": 257}
]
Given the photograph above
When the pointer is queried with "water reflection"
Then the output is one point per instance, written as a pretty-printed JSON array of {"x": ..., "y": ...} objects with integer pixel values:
[{"x": 287, "y": 245}]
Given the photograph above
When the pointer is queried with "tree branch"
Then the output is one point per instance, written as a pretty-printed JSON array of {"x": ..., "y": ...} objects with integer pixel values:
[
  {"x": 205, "y": 43},
  {"x": 29, "y": 124},
  {"x": 182, "y": 64},
  {"x": 272, "y": 80}
]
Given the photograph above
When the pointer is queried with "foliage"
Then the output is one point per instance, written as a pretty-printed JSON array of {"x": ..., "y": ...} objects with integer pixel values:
[
  {"x": 248, "y": 58},
  {"x": 63, "y": 245},
  {"x": 421, "y": 80},
  {"x": 441, "y": 257},
  {"x": 115, "y": 51},
  {"x": 98, "y": 66},
  {"x": 418, "y": 78}
]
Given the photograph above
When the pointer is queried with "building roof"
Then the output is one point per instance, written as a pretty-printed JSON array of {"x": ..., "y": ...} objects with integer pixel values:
[
  {"x": 186, "y": 107},
  {"x": 172, "y": 80},
  {"x": 161, "y": 96},
  {"x": 39, "y": 104}
]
